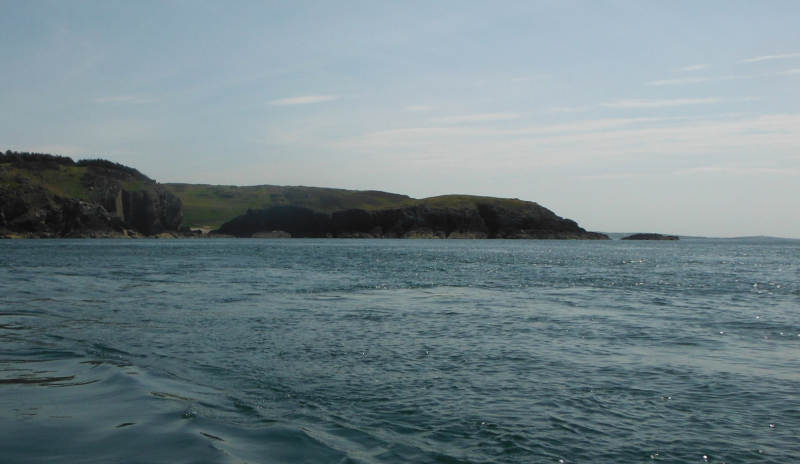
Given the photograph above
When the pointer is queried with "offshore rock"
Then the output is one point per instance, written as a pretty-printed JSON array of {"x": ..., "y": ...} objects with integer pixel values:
[{"x": 650, "y": 237}]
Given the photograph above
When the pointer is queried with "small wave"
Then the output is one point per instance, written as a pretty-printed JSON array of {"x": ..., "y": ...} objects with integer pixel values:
[
  {"x": 36, "y": 380},
  {"x": 108, "y": 413}
]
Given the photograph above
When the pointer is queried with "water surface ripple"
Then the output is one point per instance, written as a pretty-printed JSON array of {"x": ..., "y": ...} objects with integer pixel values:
[{"x": 336, "y": 351}]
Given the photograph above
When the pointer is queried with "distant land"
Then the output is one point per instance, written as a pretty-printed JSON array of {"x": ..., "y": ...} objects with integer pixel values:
[
  {"x": 751, "y": 238},
  {"x": 48, "y": 196}
]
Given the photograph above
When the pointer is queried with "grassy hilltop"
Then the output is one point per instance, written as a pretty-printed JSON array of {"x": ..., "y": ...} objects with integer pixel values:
[
  {"x": 209, "y": 206},
  {"x": 63, "y": 178}
]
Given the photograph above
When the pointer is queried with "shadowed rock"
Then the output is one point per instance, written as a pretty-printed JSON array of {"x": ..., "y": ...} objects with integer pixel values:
[
  {"x": 650, "y": 237},
  {"x": 481, "y": 221}
]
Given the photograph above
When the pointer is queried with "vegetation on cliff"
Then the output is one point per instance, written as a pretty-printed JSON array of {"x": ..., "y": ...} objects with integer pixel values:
[
  {"x": 209, "y": 206},
  {"x": 53, "y": 196}
]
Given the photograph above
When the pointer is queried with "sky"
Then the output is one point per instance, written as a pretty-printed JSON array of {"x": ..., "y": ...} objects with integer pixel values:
[{"x": 678, "y": 117}]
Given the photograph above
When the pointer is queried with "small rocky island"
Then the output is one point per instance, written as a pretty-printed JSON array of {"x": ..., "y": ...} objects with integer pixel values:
[
  {"x": 650, "y": 237},
  {"x": 47, "y": 196}
]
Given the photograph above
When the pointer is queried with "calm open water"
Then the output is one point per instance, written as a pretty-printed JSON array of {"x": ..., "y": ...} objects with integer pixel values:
[{"x": 387, "y": 351}]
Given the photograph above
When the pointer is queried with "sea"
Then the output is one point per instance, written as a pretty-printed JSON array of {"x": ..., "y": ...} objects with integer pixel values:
[{"x": 399, "y": 351}]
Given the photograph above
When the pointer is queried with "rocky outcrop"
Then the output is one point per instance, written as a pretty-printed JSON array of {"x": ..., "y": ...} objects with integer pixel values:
[
  {"x": 31, "y": 211},
  {"x": 150, "y": 210},
  {"x": 650, "y": 237},
  {"x": 481, "y": 221},
  {"x": 34, "y": 209}
]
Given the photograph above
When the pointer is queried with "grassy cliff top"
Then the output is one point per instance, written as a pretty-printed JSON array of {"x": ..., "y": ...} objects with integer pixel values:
[
  {"x": 64, "y": 181},
  {"x": 210, "y": 206},
  {"x": 469, "y": 201}
]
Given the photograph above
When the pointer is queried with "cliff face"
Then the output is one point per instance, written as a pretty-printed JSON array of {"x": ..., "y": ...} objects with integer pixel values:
[
  {"x": 481, "y": 221},
  {"x": 49, "y": 200},
  {"x": 33, "y": 212}
]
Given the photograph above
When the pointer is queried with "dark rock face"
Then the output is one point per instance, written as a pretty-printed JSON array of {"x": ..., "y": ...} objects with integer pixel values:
[
  {"x": 32, "y": 210},
  {"x": 650, "y": 237},
  {"x": 83, "y": 219},
  {"x": 484, "y": 221},
  {"x": 151, "y": 212},
  {"x": 297, "y": 221}
]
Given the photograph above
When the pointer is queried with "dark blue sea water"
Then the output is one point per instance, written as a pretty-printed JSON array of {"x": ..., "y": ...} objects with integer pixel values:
[{"x": 334, "y": 351}]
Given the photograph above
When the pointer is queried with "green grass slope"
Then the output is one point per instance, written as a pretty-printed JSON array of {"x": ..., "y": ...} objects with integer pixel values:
[
  {"x": 209, "y": 206},
  {"x": 470, "y": 201},
  {"x": 64, "y": 181}
]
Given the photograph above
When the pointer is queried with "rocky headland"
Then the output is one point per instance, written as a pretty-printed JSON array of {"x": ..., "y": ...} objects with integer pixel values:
[{"x": 47, "y": 196}]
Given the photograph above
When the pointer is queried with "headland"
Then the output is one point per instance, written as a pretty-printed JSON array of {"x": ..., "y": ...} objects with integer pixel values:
[{"x": 48, "y": 196}]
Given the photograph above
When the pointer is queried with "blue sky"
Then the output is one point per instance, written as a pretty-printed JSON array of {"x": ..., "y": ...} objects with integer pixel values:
[{"x": 676, "y": 117}]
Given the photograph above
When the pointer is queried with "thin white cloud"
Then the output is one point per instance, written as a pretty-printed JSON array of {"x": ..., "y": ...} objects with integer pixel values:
[
  {"x": 646, "y": 103},
  {"x": 534, "y": 77},
  {"x": 772, "y": 57},
  {"x": 588, "y": 142},
  {"x": 622, "y": 175},
  {"x": 685, "y": 80},
  {"x": 570, "y": 110},
  {"x": 126, "y": 99},
  {"x": 418, "y": 108},
  {"x": 483, "y": 117},
  {"x": 739, "y": 169},
  {"x": 791, "y": 71},
  {"x": 304, "y": 100},
  {"x": 695, "y": 80},
  {"x": 694, "y": 67}
]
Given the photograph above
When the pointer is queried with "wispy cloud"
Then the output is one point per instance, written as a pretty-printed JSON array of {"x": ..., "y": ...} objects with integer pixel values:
[
  {"x": 586, "y": 142},
  {"x": 694, "y": 67},
  {"x": 126, "y": 99},
  {"x": 622, "y": 175},
  {"x": 304, "y": 100},
  {"x": 772, "y": 57},
  {"x": 646, "y": 103},
  {"x": 483, "y": 117},
  {"x": 568, "y": 110},
  {"x": 739, "y": 169},
  {"x": 695, "y": 80},
  {"x": 791, "y": 71},
  {"x": 418, "y": 108},
  {"x": 685, "y": 80}
]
